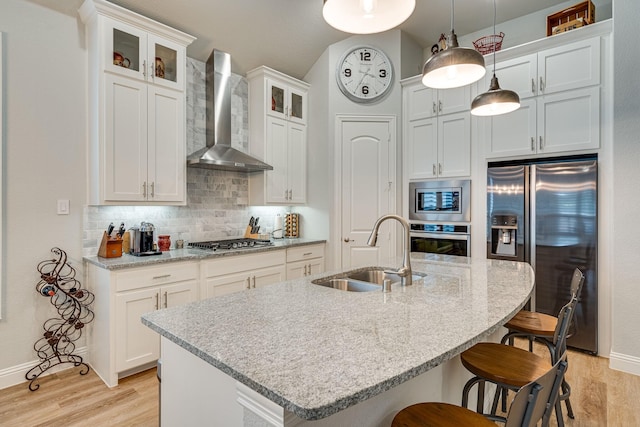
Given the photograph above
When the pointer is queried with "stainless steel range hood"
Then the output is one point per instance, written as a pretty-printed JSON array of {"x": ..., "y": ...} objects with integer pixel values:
[{"x": 218, "y": 154}]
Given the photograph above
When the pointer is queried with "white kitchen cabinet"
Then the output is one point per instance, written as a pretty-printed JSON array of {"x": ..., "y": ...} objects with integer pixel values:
[
  {"x": 421, "y": 101},
  {"x": 118, "y": 342},
  {"x": 226, "y": 275},
  {"x": 137, "y": 344},
  {"x": 559, "y": 91},
  {"x": 136, "y": 107},
  {"x": 278, "y": 135},
  {"x": 305, "y": 260},
  {"x": 436, "y": 140}
]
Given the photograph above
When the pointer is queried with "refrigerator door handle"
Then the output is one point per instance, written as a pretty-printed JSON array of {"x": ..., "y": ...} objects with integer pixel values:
[{"x": 531, "y": 224}]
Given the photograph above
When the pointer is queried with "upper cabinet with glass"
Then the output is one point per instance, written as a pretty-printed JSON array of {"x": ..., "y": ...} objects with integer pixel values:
[
  {"x": 285, "y": 101},
  {"x": 135, "y": 46}
]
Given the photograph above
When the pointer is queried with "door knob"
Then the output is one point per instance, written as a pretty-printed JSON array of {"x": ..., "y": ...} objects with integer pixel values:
[{"x": 347, "y": 240}]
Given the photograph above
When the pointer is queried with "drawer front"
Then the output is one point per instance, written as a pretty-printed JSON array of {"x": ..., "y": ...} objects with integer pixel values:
[
  {"x": 239, "y": 263},
  {"x": 155, "y": 276},
  {"x": 300, "y": 253}
]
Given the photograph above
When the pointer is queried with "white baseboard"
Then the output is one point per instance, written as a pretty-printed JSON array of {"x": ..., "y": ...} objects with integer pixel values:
[
  {"x": 16, "y": 374},
  {"x": 624, "y": 363}
]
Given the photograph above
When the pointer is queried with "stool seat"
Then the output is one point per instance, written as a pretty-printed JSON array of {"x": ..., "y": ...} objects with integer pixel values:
[
  {"x": 531, "y": 322},
  {"x": 504, "y": 364},
  {"x": 439, "y": 414}
]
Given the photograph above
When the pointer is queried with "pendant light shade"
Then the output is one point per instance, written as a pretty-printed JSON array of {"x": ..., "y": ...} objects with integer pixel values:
[
  {"x": 366, "y": 16},
  {"x": 495, "y": 101},
  {"x": 453, "y": 67}
]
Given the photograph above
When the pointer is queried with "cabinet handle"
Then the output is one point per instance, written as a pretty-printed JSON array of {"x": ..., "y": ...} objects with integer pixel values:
[
  {"x": 541, "y": 84},
  {"x": 305, "y": 270},
  {"x": 439, "y": 168},
  {"x": 440, "y": 106},
  {"x": 144, "y": 68},
  {"x": 307, "y": 253},
  {"x": 434, "y": 107},
  {"x": 165, "y": 299},
  {"x": 290, "y": 194},
  {"x": 533, "y": 144},
  {"x": 254, "y": 282},
  {"x": 309, "y": 270},
  {"x": 164, "y": 276},
  {"x": 347, "y": 240},
  {"x": 533, "y": 86},
  {"x": 157, "y": 300},
  {"x": 144, "y": 189},
  {"x": 248, "y": 282},
  {"x": 153, "y": 189},
  {"x": 541, "y": 143},
  {"x": 434, "y": 169}
]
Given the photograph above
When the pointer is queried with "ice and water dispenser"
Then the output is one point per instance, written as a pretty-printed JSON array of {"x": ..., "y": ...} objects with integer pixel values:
[{"x": 504, "y": 233}]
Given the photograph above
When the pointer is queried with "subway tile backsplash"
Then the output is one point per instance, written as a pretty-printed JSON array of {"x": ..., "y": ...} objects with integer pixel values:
[{"x": 217, "y": 201}]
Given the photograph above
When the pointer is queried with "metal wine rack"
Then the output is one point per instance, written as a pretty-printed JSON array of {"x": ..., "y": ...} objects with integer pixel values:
[{"x": 58, "y": 283}]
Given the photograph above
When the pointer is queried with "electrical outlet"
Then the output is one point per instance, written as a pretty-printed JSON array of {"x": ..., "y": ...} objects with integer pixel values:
[{"x": 63, "y": 207}]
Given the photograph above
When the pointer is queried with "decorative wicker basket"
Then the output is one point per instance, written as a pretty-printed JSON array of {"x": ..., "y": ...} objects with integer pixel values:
[{"x": 489, "y": 44}]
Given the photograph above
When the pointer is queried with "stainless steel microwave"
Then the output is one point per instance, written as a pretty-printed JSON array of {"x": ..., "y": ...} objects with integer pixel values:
[{"x": 440, "y": 200}]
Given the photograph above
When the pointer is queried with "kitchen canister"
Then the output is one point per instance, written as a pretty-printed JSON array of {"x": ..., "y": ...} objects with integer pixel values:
[{"x": 164, "y": 242}]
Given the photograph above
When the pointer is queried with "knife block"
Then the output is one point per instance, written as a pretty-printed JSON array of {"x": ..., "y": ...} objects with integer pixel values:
[
  {"x": 110, "y": 247},
  {"x": 249, "y": 235}
]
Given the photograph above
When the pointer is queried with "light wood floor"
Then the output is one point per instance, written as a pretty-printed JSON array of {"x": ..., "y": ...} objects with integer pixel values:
[{"x": 600, "y": 397}]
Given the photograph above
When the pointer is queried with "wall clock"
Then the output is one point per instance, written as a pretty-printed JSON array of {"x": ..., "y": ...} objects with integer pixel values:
[{"x": 364, "y": 74}]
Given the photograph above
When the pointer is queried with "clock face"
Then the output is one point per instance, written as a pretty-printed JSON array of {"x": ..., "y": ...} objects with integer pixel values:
[{"x": 364, "y": 74}]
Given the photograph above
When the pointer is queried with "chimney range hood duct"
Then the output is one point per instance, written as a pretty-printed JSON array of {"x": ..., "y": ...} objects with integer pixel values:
[{"x": 218, "y": 154}]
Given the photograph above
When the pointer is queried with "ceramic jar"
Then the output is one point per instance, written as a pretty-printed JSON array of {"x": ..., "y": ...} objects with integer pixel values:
[{"x": 164, "y": 242}]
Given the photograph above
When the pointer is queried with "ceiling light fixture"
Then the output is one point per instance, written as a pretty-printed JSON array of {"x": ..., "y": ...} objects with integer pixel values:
[
  {"x": 366, "y": 16},
  {"x": 454, "y": 66},
  {"x": 495, "y": 101}
]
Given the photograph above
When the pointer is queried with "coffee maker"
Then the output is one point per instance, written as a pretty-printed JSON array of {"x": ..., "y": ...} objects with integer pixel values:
[{"x": 142, "y": 240}]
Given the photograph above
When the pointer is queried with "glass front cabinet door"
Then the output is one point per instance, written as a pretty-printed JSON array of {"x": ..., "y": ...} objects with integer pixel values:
[
  {"x": 286, "y": 102},
  {"x": 134, "y": 53}
]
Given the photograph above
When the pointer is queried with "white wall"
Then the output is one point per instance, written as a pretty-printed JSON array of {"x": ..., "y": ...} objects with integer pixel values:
[
  {"x": 625, "y": 267},
  {"x": 45, "y": 128},
  {"x": 327, "y": 102}
]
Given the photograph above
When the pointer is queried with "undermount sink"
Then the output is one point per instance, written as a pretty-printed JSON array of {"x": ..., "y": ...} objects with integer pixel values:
[{"x": 362, "y": 280}]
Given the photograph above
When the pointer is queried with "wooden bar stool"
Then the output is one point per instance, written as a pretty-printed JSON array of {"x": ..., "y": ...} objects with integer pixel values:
[
  {"x": 532, "y": 403},
  {"x": 511, "y": 367},
  {"x": 541, "y": 327}
]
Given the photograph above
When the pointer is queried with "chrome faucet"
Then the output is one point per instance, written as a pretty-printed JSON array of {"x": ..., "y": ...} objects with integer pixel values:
[{"x": 405, "y": 271}]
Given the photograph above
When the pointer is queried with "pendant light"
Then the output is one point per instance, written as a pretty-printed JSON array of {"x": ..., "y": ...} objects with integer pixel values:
[
  {"x": 366, "y": 16},
  {"x": 495, "y": 101},
  {"x": 454, "y": 66}
]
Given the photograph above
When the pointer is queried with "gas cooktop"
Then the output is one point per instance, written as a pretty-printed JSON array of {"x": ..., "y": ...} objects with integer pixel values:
[{"x": 212, "y": 245}]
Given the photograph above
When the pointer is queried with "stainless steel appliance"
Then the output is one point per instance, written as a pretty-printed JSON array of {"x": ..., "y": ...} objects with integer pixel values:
[
  {"x": 545, "y": 213},
  {"x": 142, "y": 240},
  {"x": 242, "y": 243},
  {"x": 446, "y": 239},
  {"x": 440, "y": 200}
]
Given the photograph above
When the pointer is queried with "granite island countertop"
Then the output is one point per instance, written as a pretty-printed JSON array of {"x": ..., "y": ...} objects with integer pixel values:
[
  {"x": 316, "y": 351},
  {"x": 187, "y": 254}
]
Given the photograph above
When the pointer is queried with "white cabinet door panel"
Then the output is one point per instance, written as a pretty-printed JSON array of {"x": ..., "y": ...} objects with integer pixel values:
[
  {"x": 136, "y": 344},
  {"x": 422, "y": 149},
  {"x": 454, "y": 136},
  {"x": 517, "y": 74},
  {"x": 514, "y": 133},
  {"x": 277, "y": 134},
  {"x": 569, "y": 123},
  {"x": 297, "y": 162},
  {"x": 571, "y": 66}
]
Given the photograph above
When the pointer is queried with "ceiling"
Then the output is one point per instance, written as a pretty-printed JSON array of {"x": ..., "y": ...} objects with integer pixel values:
[{"x": 290, "y": 35}]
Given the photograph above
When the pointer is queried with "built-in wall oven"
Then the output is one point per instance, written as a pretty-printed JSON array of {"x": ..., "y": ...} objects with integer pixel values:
[
  {"x": 445, "y": 239},
  {"x": 439, "y": 216}
]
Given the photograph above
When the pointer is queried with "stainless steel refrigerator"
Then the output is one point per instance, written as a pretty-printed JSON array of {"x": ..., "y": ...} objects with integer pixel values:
[{"x": 545, "y": 213}]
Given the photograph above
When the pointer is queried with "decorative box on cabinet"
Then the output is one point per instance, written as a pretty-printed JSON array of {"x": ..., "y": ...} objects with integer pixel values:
[
  {"x": 304, "y": 261},
  {"x": 230, "y": 274},
  {"x": 278, "y": 135},
  {"x": 437, "y": 131},
  {"x": 559, "y": 90},
  {"x": 136, "y": 107},
  {"x": 118, "y": 341}
]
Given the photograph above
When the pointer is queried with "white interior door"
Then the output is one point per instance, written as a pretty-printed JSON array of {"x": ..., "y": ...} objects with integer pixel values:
[{"x": 368, "y": 189}]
